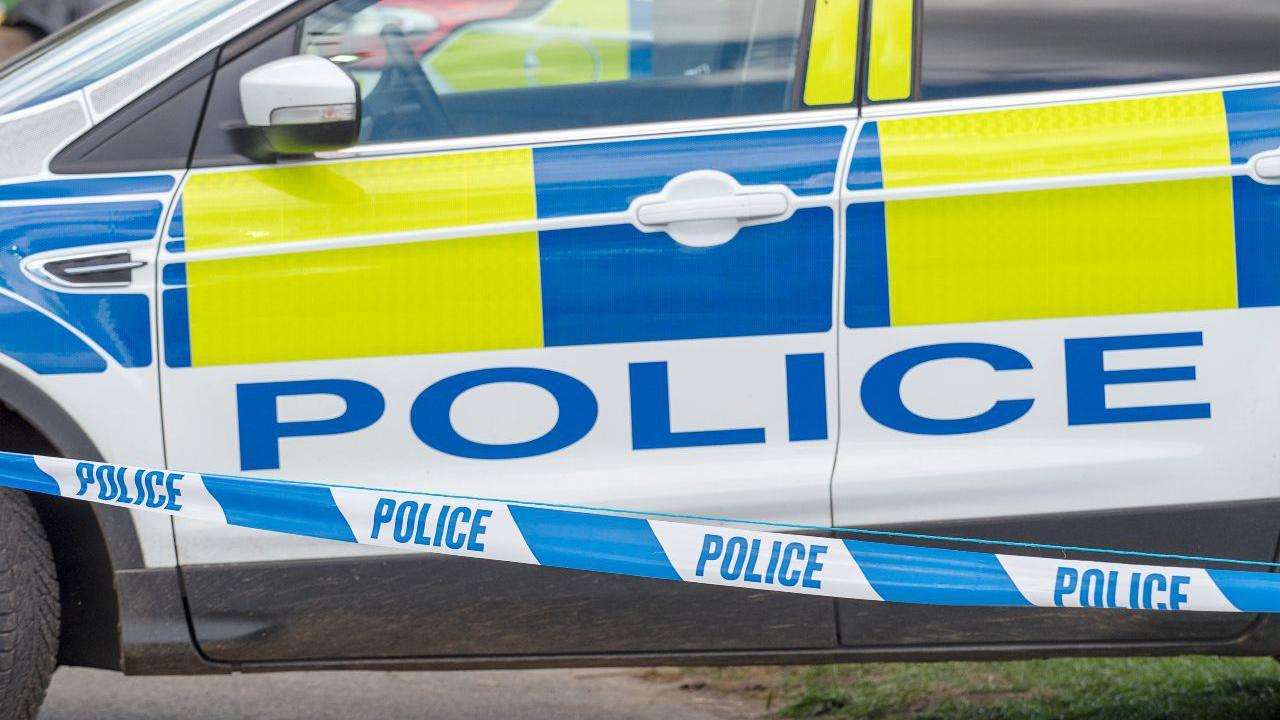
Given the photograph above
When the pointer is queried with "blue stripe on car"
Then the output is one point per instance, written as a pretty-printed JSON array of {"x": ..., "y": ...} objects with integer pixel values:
[{"x": 607, "y": 177}]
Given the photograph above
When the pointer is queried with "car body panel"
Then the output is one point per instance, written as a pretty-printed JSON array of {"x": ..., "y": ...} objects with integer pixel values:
[
  {"x": 911, "y": 345},
  {"x": 248, "y": 300}
]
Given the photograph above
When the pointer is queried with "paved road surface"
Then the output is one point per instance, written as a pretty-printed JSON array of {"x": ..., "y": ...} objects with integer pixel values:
[{"x": 78, "y": 694}]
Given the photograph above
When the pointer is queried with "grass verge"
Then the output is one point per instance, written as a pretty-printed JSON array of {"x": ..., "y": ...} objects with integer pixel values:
[{"x": 1098, "y": 689}]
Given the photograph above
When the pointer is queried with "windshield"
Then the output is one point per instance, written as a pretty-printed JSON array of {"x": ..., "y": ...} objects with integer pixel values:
[{"x": 99, "y": 46}]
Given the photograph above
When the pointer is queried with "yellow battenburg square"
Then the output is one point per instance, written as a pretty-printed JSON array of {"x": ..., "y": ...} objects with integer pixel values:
[
  {"x": 461, "y": 295},
  {"x": 1120, "y": 248},
  {"x": 399, "y": 298},
  {"x": 1160, "y": 133},
  {"x": 349, "y": 199},
  {"x": 1110, "y": 250}
]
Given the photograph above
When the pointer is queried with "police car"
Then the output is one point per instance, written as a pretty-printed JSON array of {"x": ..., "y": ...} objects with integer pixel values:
[{"x": 999, "y": 269}]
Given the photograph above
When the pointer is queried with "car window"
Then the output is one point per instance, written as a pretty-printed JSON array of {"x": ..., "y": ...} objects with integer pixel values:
[
  {"x": 442, "y": 68},
  {"x": 102, "y": 44},
  {"x": 992, "y": 47}
]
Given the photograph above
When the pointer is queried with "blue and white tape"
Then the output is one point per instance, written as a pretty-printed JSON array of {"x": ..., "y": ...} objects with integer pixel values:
[{"x": 661, "y": 549}]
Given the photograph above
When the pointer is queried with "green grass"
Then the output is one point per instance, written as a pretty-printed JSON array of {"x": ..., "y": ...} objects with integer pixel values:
[{"x": 1123, "y": 689}]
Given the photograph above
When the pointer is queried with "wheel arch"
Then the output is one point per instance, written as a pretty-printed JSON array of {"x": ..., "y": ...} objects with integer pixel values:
[{"x": 90, "y": 543}]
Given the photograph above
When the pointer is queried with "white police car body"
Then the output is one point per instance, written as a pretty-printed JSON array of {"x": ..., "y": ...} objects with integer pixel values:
[{"x": 832, "y": 263}]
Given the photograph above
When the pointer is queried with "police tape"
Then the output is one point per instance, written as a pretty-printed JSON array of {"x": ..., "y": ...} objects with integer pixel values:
[{"x": 538, "y": 534}]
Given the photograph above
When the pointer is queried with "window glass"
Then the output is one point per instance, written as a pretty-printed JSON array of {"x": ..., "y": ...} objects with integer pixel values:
[
  {"x": 441, "y": 68},
  {"x": 993, "y": 47},
  {"x": 100, "y": 45}
]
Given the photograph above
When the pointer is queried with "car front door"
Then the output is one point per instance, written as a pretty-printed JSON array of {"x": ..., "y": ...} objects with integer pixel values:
[
  {"x": 504, "y": 293},
  {"x": 1060, "y": 294}
]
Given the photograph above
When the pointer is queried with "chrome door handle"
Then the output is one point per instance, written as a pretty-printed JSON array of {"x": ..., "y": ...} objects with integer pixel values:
[{"x": 750, "y": 206}]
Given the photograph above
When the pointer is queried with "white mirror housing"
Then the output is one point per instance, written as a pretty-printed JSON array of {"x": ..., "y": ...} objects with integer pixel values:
[{"x": 301, "y": 105}]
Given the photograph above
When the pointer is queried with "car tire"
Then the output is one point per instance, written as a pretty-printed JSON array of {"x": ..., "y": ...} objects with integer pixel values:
[{"x": 29, "y": 611}]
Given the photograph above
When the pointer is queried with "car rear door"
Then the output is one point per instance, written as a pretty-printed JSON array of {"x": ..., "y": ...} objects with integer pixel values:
[
  {"x": 1060, "y": 294},
  {"x": 513, "y": 290}
]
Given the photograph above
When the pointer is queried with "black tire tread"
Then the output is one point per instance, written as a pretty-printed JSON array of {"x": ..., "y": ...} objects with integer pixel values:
[{"x": 29, "y": 609}]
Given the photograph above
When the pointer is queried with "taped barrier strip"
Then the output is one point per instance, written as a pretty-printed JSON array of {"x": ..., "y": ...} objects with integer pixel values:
[{"x": 598, "y": 542}]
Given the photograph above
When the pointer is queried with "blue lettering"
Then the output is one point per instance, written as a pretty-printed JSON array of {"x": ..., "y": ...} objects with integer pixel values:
[
  {"x": 455, "y": 527},
  {"x": 106, "y": 482},
  {"x": 651, "y": 416},
  {"x": 454, "y": 538},
  {"x": 431, "y": 422},
  {"x": 438, "y": 539},
  {"x": 261, "y": 429},
  {"x": 84, "y": 472},
  {"x": 1065, "y": 584},
  {"x": 1087, "y": 380},
  {"x": 113, "y": 485},
  {"x": 155, "y": 479},
  {"x": 793, "y": 551},
  {"x": 478, "y": 530},
  {"x": 735, "y": 556},
  {"x": 751, "y": 575},
  {"x": 806, "y": 397},
  {"x": 122, "y": 482},
  {"x": 173, "y": 492},
  {"x": 406, "y": 514},
  {"x": 740, "y": 559},
  {"x": 814, "y": 566},
  {"x": 141, "y": 486},
  {"x": 382, "y": 513},
  {"x": 420, "y": 531},
  {"x": 1148, "y": 587},
  {"x": 1176, "y": 595},
  {"x": 882, "y": 389},
  {"x": 712, "y": 547},
  {"x": 773, "y": 562},
  {"x": 1092, "y": 587}
]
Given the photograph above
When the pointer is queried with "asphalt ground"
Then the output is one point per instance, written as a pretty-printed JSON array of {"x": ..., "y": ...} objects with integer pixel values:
[{"x": 79, "y": 694}]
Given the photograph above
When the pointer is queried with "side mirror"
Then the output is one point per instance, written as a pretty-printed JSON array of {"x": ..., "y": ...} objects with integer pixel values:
[{"x": 301, "y": 105}]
